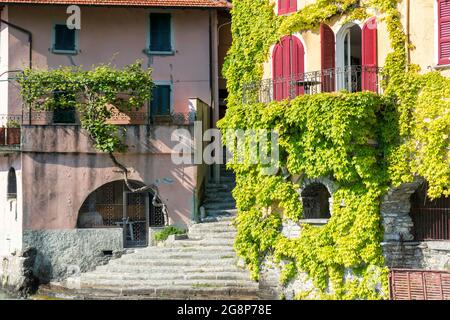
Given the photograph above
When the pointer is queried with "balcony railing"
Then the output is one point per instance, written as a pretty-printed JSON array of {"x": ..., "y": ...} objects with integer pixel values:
[
  {"x": 10, "y": 131},
  {"x": 351, "y": 79}
]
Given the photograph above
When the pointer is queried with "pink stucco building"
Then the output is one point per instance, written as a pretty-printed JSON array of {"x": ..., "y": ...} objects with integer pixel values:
[{"x": 57, "y": 193}]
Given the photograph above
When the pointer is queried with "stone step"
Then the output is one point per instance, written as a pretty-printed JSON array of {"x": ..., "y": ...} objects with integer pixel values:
[
  {"x": 219, "y": 206},
  {"x": 108, "y": 283},
  {"x": 163, "y": 250},
  {"x": 175, "y": 262},
  {"x": 211, "y": 275},
  {"x": 202, "y": 242},
  {"x": 167, "y": 269},
  {"x": 181, "y": 293},
  {"x": 219, "y": 187},
  {"x": 180, "y": 255},
  {"x": 222, "y": 214},
  {"x": 207, "y": 236},
  {"x": 212, "y": 227}
]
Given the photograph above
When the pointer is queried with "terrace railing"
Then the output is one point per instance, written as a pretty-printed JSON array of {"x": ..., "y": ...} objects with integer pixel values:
[{"x": 351, "y": 79}]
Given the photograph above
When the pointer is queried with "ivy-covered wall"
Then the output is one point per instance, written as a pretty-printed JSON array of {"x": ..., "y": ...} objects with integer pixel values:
[{"x": 328, "y": 135}]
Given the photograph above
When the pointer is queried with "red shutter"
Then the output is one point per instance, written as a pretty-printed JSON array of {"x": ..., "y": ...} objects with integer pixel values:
[
  {"x": 292, "y": 6},
  {"x": 288, "y": 65},
  {"x": 287, "y": 6},
  {"x": 369, "y": 55},
  {"x": 282, "y": 6},
  {"x": 297, "y": 64},
  {"x": 328, "y": 58},
  {"x": 444, "y": 31}
]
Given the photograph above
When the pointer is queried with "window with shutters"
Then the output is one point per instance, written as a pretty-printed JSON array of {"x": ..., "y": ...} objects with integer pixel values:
[
  {"x": 161, "y": 33},
  {"x": 161, "y": 100},
  {"x": 444, "y": 31},
  {"x": 287, "y": 6},
  {"x": 64, "y": 39}
]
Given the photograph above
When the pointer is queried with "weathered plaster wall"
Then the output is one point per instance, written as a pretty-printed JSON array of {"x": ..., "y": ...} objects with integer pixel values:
[
  {"x": 61, "y": 253},
  {"x": 61, "y": 168},
  {"x": 119, "y": 35}
]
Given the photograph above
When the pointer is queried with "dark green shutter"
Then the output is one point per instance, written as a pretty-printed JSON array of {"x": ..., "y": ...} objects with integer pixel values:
[
  {"x": 160, "y": 105},
  {"x": 64, "y": 38},
  {"x": 160, "y": 33}
]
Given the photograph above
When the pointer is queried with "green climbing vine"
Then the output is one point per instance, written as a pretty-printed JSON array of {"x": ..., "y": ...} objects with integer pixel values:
[
  {"x": 331, "y": 135},
  {"x": 92, "y": 94}
]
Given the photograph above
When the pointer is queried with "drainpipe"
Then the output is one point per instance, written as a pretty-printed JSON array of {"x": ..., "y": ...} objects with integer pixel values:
[
  {"x": 25, "y": 31},
  {"x": 30, "y": 53},
  {"x": 408, "y": 24}
]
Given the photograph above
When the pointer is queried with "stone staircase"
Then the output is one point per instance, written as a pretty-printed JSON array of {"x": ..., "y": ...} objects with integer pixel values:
[{"x": 202, "y": 266}]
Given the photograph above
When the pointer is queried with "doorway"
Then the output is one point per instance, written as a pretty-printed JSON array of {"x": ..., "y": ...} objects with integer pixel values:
[{"x": 349, "y": 58}]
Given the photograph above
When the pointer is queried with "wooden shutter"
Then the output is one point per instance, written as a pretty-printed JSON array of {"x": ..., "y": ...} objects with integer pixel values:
[
  {"x": 64, "y": 38},
  {"x": 408, "y": 284},
  {"x": 287, "y": 6},
  {"x": 369, "y": 55},
  {"x": 160, "y": 32},
  {"x": 297, "y": 69},
  {"x": 288, "y": 65},
  {"x": 292, "y": 6},
  {"x": 444, "y": 31},
  {"x": 277, "y": 74},
  {"x": 160, "y": 104},
  {"x": 282, "y": 6},
  {"x": 328, "y": 58}
]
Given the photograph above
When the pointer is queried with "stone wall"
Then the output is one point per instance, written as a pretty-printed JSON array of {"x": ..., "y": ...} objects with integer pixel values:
[
  {"x": 61, "y": 253},
  {"x": 399, "y": 248},
  {"x": 16, "y": 272}
]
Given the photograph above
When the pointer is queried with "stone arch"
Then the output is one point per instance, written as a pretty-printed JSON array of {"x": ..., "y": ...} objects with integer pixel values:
[{"x": 395, "y": 212}]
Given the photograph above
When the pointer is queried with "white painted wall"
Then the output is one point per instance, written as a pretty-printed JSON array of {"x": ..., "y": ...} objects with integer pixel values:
[{"x": 10, "y": 210}]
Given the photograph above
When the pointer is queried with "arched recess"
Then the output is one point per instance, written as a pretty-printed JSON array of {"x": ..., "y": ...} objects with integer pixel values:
[
  {"x": 288, "y": 67},
  {"x": 316, "y": 201},
  {"x": 431, "y": 217},
  {"x": 104, "y": 207},
  {"x": 12, "y": 185},
  {"x": 328, "y": 58}
]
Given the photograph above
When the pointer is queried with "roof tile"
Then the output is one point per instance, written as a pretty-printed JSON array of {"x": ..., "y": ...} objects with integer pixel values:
[{"x": 137, "y": 3}]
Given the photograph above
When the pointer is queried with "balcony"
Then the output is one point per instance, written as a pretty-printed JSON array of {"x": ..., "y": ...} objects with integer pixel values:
[
  {"x": 10, "y": 133},
  {"x": 350, "y": 79}
]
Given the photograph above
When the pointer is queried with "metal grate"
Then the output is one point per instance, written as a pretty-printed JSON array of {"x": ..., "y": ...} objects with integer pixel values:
[
  {"x": 409, "y": 284},
  {"x": 431, "y": 218}
]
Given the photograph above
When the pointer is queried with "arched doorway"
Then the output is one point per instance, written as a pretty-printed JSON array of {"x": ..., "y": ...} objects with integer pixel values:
[
  {"x": 113, "y": 205},
  {"x": 288, "y": 64},
  {"x": 316, "y": 201},
  {"x": 349, "y": 57},
  {"x": 431, "y": 218}
]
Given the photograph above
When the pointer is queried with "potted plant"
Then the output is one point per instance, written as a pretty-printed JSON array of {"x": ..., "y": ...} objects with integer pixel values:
[{"x": 12, "y": 132}]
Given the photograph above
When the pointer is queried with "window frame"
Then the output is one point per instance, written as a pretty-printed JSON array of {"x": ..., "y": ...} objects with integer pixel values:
[
  {"x": 148, "y": 50},
  {"x": 64, "y": 52},
  {"x": 171, "y": 99},
  {"x": 440, "y": 63}
]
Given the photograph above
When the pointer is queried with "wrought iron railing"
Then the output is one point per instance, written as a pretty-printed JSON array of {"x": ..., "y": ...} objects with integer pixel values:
[
  {"x": 351, "y": 79},
  {"x": 431, "y": 223}
]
